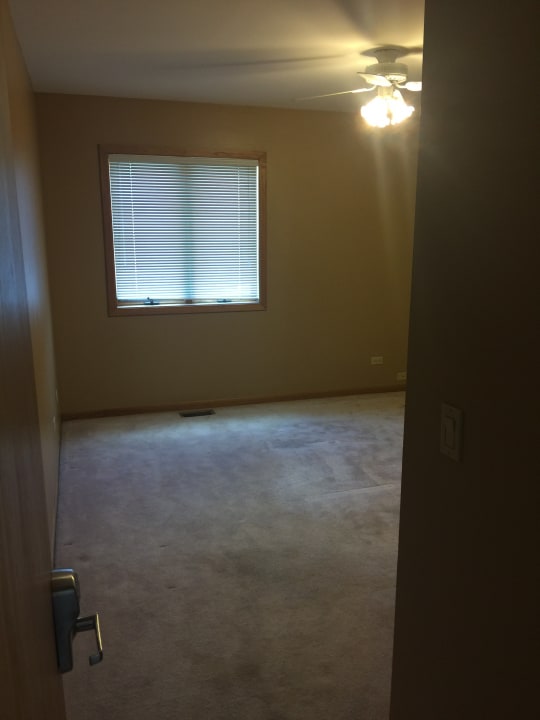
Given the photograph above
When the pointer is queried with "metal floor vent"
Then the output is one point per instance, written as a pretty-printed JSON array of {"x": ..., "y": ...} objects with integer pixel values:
[{"x": 197, "y": 413}]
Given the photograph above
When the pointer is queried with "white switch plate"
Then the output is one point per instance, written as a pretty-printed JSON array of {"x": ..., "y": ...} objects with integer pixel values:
[
  {"x": 401, "y": 376},
  {"x": 451, "y": 432},
  {"x": 377, "y": 360}
]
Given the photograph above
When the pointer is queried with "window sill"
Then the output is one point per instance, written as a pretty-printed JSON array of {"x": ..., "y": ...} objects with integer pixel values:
[{"x": 188, "y": 309}]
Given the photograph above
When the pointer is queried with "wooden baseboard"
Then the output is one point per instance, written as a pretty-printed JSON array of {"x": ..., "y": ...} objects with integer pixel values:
[{"x": 229, "y": 402}]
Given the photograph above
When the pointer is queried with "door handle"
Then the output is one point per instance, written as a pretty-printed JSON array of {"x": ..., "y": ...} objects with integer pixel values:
[{"x": 67, "y": 623}]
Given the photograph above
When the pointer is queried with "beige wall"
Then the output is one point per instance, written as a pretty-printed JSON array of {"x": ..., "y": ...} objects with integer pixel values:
[
  {"x": 26, "y": 165},
  {"x": 340, "y": 216},
  {"x": 467, "y": 597}
]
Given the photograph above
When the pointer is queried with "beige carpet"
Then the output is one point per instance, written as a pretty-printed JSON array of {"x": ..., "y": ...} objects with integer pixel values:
[{"x": 243, "y": 564}]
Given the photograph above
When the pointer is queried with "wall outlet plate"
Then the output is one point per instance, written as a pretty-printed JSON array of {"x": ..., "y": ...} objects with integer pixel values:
[
  {"x": 401, "y": 376},
  {"x": 377, "y": 360}
]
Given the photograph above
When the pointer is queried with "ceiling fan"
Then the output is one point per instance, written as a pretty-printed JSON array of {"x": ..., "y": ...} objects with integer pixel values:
[
  {"x": 388, "y": 77},
  {"x": 385, "y": 73}
]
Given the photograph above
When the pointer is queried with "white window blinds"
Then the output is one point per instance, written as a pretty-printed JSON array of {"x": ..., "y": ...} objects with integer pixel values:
[{"x": 185, "y": 229}]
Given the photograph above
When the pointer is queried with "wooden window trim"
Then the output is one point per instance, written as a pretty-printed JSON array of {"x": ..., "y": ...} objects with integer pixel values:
[{"x": 116, "y": 310}]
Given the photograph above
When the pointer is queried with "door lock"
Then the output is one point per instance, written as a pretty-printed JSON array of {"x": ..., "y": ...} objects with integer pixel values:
[{"x": 67, "y": 623}]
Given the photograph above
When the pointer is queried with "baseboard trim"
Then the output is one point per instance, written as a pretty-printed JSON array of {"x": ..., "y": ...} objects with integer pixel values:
[{"x": 229, "y": 402}]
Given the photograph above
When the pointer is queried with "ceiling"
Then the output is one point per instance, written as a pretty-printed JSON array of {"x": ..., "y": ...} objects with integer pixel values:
[{"x": 246, "y": 52}]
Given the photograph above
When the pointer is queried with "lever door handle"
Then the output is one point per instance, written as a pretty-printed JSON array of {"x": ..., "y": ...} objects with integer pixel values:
[
  {"x": 65, "y": 599},
  {"x": 91, "y": 622}
]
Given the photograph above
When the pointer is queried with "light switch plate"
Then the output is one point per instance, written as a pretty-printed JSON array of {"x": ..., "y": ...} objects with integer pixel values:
[{"x": 451, "y": 432}]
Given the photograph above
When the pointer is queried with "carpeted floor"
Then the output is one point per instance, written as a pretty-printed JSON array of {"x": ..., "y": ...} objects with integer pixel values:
[{"x": 243, "y": 564}]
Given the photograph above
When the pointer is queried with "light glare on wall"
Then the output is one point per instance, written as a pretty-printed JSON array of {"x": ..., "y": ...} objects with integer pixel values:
[{"x": 388, "y": 108}]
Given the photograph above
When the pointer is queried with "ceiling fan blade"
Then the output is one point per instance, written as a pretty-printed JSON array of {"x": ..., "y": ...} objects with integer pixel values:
[
  {"x": 375, "y": 79},
  {"x": 343, "y": 92},
  {"x": 413, "y": 86}
]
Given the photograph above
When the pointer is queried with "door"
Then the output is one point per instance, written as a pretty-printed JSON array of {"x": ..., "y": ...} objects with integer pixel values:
[{"x": 30, "y": 685}]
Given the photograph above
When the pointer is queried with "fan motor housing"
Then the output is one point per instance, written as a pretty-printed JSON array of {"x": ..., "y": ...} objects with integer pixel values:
[{"x": 395, "y": 72}]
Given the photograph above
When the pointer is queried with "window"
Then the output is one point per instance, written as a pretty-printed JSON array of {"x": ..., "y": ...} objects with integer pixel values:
[{"x": 183, "y": 233}]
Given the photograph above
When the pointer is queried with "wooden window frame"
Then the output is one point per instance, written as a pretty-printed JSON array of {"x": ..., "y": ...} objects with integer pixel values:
[{"x": 114, "y": 309}]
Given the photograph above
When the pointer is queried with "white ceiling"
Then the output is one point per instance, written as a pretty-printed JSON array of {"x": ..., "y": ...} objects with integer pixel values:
[{"x": 245, "y": 52}]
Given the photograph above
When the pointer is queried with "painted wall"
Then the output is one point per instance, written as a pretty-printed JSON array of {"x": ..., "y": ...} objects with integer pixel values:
[
  {"x": 340, "y": 217},
  {"x": 468, "y": 580},
  {"x": 26, "y": 165}
]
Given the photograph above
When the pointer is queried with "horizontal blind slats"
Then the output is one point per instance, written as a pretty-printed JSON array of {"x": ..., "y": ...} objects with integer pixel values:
[{"x": 184, "y": 229}]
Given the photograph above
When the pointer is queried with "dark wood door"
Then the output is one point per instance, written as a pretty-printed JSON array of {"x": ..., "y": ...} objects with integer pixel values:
[{"x": 30, "y": 686}]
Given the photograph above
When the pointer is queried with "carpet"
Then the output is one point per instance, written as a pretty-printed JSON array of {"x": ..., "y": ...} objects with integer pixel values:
[{"x": 243, "y": 564}]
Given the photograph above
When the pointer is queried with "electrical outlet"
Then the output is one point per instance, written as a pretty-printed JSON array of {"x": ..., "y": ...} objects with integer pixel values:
[
  {"x": 401, "y": 376},
  {"x": 377, "y": 360}
]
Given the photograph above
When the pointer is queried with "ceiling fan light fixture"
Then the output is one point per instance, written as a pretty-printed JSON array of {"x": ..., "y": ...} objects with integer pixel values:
[{"x": 388, "y": 108}]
